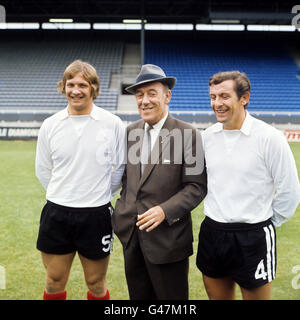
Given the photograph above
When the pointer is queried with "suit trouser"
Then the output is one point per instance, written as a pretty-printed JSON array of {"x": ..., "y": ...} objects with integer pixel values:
[{"x": 148, "y": 281}]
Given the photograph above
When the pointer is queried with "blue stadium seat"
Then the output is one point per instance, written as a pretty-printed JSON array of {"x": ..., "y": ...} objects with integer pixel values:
[{"x": 272, "y": 73}]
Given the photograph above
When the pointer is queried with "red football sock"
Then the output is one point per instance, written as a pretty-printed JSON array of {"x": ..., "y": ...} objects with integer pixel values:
[
  {"x": 55, "y": 296},
  {"x": 90, "y": 296}
]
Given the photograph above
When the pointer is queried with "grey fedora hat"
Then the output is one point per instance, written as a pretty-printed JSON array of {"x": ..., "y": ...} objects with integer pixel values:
[{"x": 151, "y": 73}]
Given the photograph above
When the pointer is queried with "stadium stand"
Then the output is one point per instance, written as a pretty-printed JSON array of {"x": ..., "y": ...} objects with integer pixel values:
[
  {"x": 272, "y": 71},
  {"x": 29, "y": 71},
  {"x": 31, "y": 63}
]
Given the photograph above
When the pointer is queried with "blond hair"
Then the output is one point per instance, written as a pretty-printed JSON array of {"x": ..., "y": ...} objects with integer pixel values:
[{"x": 88, "y": 72}]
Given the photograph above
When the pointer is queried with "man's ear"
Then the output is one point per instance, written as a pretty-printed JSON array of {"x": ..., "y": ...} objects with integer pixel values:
[
  {"x": 245, "y": 98},
  {"x": 168, "y": 96}
]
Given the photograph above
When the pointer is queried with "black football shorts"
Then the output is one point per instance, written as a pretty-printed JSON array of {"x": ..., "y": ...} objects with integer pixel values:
[
  {"x": 245, "y": 252},
  {"x": 85, "y": 230}
]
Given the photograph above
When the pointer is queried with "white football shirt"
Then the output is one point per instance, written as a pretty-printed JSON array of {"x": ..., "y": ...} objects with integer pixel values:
[
  {"x": 251, "y": 174},
  {"x": 80, "y": 159}
]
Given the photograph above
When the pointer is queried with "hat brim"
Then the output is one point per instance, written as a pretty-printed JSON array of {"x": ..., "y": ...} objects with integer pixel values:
[{"x": 169, "y": 81}]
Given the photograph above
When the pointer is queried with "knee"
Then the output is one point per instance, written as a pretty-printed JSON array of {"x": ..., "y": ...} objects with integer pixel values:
[
  {"x": 55, "y": 283},
  {"x": 97, "y": 285}
]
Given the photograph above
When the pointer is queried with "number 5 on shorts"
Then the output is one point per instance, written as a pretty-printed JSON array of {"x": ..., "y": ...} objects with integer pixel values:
[{"x": 108, "y": 242}]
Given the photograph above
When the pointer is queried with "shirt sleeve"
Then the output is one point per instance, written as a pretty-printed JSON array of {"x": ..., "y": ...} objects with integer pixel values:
[
  {"x": 43, "y": 161},
  {"x": 118, "y": 157},
  {"x": 283, "y": 169}
]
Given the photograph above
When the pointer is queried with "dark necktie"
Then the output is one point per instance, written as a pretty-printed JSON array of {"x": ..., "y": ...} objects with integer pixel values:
[{"x": 146, "y": 148}]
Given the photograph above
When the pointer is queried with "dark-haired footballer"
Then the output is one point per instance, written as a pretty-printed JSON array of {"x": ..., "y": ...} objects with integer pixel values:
[{"x": 252, "y": 186}]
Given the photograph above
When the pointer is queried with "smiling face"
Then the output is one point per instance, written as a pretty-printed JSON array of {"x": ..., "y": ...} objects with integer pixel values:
[
  {"x": 79, "y": 95},
  {"x": 152, "y": 101},
  {"x": 228, "y": 108}
]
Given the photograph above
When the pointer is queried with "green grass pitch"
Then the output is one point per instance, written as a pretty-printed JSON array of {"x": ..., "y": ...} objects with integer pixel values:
[{"x": 21, "y": 201}]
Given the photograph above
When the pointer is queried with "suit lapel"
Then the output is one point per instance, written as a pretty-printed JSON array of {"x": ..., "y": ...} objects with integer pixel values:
[{"x": 163, "y": 140}]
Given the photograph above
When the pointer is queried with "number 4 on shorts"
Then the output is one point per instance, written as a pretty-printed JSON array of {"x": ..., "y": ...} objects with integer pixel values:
[{"x": 260, "y": 271}]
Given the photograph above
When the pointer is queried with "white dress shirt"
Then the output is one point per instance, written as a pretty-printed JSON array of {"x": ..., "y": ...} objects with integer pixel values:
[
  {"x": 80, "y": 159},
  {"x": 154, "y": 133},
  {"x": 251, "y": 172}
]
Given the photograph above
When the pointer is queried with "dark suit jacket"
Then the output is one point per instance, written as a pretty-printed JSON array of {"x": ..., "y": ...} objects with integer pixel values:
[{"x": 164, "y": 183}]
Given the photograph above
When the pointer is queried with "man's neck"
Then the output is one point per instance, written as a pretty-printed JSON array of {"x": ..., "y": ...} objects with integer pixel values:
[{"x": 85, "y": 111}]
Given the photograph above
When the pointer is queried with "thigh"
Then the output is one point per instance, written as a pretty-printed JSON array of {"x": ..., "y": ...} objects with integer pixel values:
[
  {"x": 170, "y": 280},
  {"x": 94, "y": 270},
  {"x": 219, "y": 288},
  {"x": 57, "y": 266},
  {"x": 260, "y": 293}
]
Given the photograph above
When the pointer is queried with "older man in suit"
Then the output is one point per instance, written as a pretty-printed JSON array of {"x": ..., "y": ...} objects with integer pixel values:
[{"x": 164, "y": 180}]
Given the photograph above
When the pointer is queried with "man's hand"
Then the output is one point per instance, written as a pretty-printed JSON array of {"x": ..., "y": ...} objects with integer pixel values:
[{"x": 151, "y": 218}]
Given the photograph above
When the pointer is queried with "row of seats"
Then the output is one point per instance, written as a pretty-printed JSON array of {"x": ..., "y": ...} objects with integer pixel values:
[
  {"x": 273, "y": 73},
  {"x": 29, "y": 71}
]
